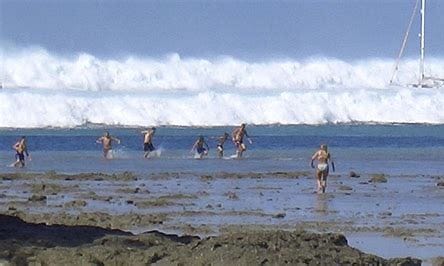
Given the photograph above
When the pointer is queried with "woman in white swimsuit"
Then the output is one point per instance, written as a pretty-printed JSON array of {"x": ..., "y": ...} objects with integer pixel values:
[{"x": 323, "y": 157}]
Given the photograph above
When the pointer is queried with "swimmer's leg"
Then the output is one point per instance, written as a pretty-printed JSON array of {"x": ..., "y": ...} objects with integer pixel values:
[
  {"x": 324, "y": 182},
  {"x": 319, "y": 181},
  {"x": 220, "y": 152},
  {"x": 108, "y": 154}
]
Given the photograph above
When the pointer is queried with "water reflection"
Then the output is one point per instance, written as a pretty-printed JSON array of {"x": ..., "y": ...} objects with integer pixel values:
[{"x": 321, "y": 204}]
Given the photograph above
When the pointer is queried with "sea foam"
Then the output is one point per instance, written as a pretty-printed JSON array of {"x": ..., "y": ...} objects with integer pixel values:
[{"x": 41, "y": 89}]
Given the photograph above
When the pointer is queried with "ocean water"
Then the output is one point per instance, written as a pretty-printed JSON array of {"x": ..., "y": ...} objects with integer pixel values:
[{"x": 404, "y": 149}]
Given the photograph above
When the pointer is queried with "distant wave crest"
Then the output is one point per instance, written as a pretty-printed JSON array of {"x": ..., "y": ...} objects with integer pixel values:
[{"x": 41, "y": 89}]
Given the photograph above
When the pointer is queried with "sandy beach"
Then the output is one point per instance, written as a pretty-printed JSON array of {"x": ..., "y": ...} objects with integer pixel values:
[{"x": 250, "y": 218}]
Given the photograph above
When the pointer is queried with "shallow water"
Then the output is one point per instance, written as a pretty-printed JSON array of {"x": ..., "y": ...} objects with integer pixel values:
[
  {"x": 424, "y": 247},
  {"x": 392, "y": 149},
  {"x": 407, "y": 212},
  {"x": 406, "y": 208}
]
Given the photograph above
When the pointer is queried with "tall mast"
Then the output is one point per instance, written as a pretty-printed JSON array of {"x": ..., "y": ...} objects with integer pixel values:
[{"x": 421, "y": 59}]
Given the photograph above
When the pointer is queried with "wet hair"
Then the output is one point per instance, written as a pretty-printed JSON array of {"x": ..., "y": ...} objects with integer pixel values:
[
  {"x": 23, "y": 137},
  {"x": 201, "y": 137},
  {"x": 243, "y": 125},
  {"x": 107, "y": 133},
  {"x": 153, "y": 128},
  {"x": 324, "y": 147}
]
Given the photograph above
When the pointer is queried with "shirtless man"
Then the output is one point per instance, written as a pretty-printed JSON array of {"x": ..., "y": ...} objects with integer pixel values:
[
  {"x": 106, "y": 140},
  {"x": 199, "y": 147},
  {"x": 148, "y": 141},
  {"x": 220, "y": 144},
  {"x": 238, "y": 139},
  {"x": 21, "y": 149},
  {"x": 323, "y": 157}
]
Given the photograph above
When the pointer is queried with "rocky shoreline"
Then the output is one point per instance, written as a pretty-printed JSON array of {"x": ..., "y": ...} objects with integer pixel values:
[
  {"x": 192, "y": 218},
  {"x": 39, "y": 244}
]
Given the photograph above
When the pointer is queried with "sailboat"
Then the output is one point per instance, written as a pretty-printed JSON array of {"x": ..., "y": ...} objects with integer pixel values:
[{"x": 423, "y": 81}]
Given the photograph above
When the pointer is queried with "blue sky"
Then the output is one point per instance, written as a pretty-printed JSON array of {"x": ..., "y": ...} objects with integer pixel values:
[{"x": 345, "y": 29}]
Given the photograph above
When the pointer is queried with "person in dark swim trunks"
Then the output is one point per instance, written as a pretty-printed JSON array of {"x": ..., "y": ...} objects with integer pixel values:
[
  {"x": 148, "y": 141},
  {"x": 238, "y": 139},
  {"x": 220, "y": 144},
  {"x": 147, "y": 148},
  {"x": 201, "y": 147},
  {"x": 21, "y": 149}
]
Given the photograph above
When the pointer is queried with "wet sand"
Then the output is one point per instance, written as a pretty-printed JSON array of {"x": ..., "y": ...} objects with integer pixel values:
[{"x": 254, "y": 207}]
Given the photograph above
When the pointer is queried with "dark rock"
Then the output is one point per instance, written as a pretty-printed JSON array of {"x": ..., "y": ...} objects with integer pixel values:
[
  {"x": 37, "y": 198},
  {"x": 405, "y": 262},
  {"x": 438, "y": 261},
  {"x": 279, "y": 215},
  {"x": 354, "y": 174},
  {"x": 232, "y": 195},
  {"x": 378, "y": 178},
  {"x": 206, "y": 177},
  {"x": 75, "y": 204},
  {"x": 42, "y": 244},
  {"x": 345, "y": 188}
]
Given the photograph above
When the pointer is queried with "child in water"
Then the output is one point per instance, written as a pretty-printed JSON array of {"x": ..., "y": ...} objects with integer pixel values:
[
  {"x": 201, "y": 147},
  {"x": 21, "y": 148},
  {"x": 220, "y": 144}
]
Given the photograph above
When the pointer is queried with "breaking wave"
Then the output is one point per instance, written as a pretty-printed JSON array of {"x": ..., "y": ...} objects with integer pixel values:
[{"x": 41, "y": 89}]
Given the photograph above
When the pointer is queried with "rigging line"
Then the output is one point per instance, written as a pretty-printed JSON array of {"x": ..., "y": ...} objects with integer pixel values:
[{"x": 404, "y": 42}]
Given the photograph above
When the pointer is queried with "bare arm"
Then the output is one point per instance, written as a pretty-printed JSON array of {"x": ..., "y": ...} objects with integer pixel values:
[
  {"x": 150, "y": 135},
  {"x": 315, "y": 155},
  {"x": 116, "y": 139},
  {"x": 194, "y": 146}
]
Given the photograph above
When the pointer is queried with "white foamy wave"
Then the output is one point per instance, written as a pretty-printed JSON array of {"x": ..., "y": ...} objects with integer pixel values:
[
  {"x": 41, "y": 90},
  {"x": 37, "y": 68},
  {"x": 42, "y": 108}
]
